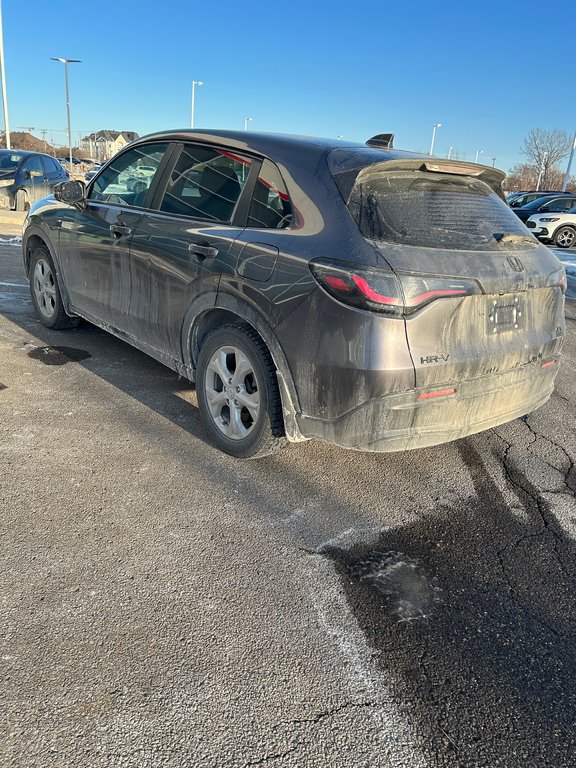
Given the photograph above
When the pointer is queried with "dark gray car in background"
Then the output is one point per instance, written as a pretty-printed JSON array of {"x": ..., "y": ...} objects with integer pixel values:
[
  {"x": 312, "y": 288},
  {"x": 26, "y": 177}
]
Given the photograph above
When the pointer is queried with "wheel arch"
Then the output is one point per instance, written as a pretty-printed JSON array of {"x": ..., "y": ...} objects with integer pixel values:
[
  {"x": 35, "y": 236},
  {"x": 214, "y": 310}
]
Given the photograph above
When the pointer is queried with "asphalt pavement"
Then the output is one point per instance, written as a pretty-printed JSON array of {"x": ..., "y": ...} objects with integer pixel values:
[{"x": 163, "y": 604}]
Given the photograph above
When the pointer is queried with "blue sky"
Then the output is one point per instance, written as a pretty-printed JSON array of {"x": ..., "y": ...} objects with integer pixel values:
[{"x": 489, "y": 72}]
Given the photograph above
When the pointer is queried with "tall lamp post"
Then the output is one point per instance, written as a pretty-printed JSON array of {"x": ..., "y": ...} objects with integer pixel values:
[
  {"x": 478, "y": 153},
  {"x": 194, "y": 84},
  {"x": 4, "y": 100},
  {"x": 66, "y": 62},
  {"x": 246, "y": 121},
  {"x": 450, "y": 152},
  {"x": 436, "y": 125}
]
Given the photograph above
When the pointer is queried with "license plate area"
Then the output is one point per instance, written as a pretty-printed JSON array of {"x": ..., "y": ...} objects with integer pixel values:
[{"x": 505, "y": 315}]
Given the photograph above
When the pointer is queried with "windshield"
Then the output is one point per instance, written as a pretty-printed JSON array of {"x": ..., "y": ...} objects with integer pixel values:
[
  {"x": 9, "y": 162},
  {"x": 434, "y": 210}
]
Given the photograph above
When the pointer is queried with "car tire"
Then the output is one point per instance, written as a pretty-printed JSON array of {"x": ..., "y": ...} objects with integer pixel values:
[
  {"x": 22, "y": 203},
  {"x": 238, "y": 394},
  {"x": 45, "y": 291},
  {"x": 565, "y": 237}
]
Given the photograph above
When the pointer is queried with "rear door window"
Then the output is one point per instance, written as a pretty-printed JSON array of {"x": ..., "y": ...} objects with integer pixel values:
[
  {"x": 433, "y": 210},
  {"x": 270, "y": 207},
  {"x": 206, "y": 183},
  {"x": 50, "y": 167}
]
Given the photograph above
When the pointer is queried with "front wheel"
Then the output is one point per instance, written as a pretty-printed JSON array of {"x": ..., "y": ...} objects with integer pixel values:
[
  {"x": 565, "y": 237},
  {"x": 46, "y": 293},
  {"x": 238, "y": 393}
]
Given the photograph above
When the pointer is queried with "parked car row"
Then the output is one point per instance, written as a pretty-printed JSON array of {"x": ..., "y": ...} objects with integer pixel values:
[{"x": 551, "y": 217}]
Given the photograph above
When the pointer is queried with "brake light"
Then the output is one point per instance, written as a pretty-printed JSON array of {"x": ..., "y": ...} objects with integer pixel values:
[
  {"x": 557, "y": 278},
  {"x": 389, "y": 293}
]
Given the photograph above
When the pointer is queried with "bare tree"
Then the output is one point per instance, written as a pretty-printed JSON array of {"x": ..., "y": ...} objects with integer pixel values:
[{"x": 545, "y": 150}]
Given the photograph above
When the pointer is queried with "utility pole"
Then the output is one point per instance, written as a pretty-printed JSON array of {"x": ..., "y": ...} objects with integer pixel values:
[{"x": 2, "y": 71}]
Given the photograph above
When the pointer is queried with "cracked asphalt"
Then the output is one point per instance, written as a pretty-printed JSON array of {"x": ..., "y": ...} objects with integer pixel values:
[{"x": 165, "y": 605}]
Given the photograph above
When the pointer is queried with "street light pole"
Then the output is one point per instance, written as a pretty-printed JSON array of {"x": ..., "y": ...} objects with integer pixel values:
[
  {"x": 4, "y": 101},
  {"x": 66, "y": 62},
  {"x": 567, "y": 176},
  {"x": 246, "y": 121},
  {"x": 450, "y": 152},
  {"x": 436, "y": 125},
  {"x": 478, "y": 153},
  {"x": 194, "y": 84}
]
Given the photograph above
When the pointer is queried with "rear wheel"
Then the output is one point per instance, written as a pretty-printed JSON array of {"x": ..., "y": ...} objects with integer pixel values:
[
  {"x": 22, "y": 203},
  {"x": 238, "y": 393},
  {"x": 46, "y": 293},
  {"x": 565, "y": 237}
]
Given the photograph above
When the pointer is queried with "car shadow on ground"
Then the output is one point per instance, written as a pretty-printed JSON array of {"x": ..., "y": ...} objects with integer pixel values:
[{"x": 471, "y": 613}]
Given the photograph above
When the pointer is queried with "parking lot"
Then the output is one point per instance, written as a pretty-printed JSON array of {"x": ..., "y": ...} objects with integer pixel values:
[{"x": 166, "y": 605}]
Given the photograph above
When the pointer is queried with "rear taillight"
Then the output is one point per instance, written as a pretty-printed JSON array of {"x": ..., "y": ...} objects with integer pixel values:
[
  {"x": 557, "y": 278},
  {"x": 389, "y": 293}
]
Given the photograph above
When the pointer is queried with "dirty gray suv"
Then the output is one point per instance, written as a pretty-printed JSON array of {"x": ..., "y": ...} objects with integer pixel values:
[{"x": 376, "y": 299}]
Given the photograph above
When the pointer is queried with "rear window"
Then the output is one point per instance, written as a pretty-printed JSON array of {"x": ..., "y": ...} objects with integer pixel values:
[{"x": 433, "y": 210}]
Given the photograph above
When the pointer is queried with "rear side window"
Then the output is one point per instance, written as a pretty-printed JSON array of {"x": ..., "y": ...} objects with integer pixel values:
[
  {"x": 433, "y": 210},
  {"x": 270, "y": 206},
  {"x": 206, "y": 183}
]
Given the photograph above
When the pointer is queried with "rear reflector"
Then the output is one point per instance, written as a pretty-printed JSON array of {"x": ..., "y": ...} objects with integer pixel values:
[
  {"x": 436, "y": 393},
  {"x": 548, "y": 363}
]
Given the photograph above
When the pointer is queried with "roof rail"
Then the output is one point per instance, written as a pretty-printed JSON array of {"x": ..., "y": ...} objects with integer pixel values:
[{"x": 381, "y": 141}]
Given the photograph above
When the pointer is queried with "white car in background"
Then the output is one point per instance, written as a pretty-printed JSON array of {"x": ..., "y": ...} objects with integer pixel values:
[{"x": 554, "y": 227}]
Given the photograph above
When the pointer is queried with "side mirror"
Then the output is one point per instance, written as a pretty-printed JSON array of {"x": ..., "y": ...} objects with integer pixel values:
[{"x": 70, "y": 192}]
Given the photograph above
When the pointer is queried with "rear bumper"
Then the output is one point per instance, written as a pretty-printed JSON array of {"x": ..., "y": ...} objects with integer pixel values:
[{"x": 402, "y": 422}]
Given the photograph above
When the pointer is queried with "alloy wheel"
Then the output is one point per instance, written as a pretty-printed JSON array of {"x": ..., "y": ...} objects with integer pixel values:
[
  {"x": 232, "y": 392},
  {"x": 44, "y": 287}
]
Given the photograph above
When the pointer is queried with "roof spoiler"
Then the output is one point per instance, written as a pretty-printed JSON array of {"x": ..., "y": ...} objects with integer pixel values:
[{"x": 381, "y": 141}]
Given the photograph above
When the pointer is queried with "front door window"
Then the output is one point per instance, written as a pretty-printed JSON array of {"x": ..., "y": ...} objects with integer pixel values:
[{"x": 127, "y": 179}]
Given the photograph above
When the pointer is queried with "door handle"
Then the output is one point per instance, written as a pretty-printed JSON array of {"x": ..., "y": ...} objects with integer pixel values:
[
  {"x": 119, "y": 230},
  {"x": 203, "y": 251}
]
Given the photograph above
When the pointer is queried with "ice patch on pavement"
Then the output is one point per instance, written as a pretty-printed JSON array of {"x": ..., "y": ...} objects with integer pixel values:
[
  {"x": 10, "y": 241},
  {"x": 410, "y": 592},
  {"x": 366, "y": 681}
]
